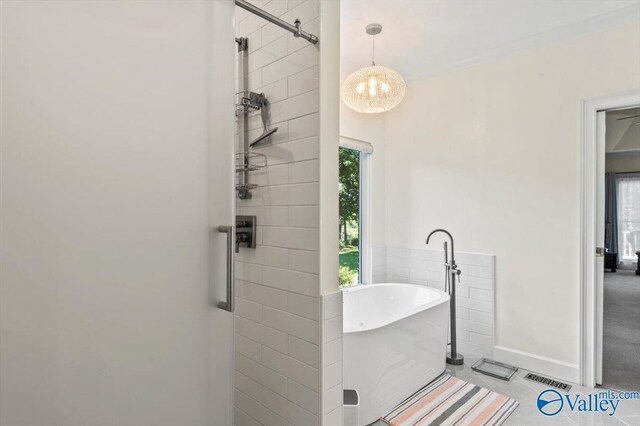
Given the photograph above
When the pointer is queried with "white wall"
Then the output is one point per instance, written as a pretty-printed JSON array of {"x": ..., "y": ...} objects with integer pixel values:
[
  {"x": 106, "y": 115},
  {"x": 491, "y": 153}
]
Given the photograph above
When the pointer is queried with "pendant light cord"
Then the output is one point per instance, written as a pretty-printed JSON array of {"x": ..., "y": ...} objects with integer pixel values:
[{"x": 373, "y": 50}]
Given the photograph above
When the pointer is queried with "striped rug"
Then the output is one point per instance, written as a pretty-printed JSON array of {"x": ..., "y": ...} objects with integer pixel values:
[{"x": 451, "y": 401}]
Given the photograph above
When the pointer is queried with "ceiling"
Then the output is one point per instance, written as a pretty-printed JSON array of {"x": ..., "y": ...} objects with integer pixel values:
[
  {"x": 623, "y": 131},
  {"x": 424, "y": 37}
]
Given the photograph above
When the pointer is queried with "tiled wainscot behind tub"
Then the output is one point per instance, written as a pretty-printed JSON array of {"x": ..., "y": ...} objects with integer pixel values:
[{"x": 475, "y": 291}]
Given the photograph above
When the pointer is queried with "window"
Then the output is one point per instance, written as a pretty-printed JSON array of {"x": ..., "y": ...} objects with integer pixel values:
[
  {"x": 354, "y": 211},
  {"x": 628, "y": 217}
]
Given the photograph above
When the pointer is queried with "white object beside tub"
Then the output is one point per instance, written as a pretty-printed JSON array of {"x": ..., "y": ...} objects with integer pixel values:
[{"x": 395, "y": 342}]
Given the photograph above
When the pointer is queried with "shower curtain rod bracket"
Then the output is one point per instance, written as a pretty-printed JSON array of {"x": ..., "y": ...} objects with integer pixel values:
[{"x": 296, "y": 28}]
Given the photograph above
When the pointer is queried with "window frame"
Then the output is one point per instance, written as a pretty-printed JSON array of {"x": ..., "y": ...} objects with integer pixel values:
[{"x": 365, "y": 267}]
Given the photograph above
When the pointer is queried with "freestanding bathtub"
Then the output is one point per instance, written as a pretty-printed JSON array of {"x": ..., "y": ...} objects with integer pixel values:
[{"x": 395, "y": 342}]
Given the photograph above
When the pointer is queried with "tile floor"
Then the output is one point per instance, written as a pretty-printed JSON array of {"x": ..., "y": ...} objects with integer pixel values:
[{"x": 526, "y": 392}]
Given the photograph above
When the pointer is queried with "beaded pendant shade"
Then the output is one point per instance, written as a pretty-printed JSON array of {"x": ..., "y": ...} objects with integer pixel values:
[{"x": 373, "y": 89}]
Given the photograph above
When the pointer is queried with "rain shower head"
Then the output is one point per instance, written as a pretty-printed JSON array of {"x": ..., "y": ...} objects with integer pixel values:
[{"x": 263, "y": 137}]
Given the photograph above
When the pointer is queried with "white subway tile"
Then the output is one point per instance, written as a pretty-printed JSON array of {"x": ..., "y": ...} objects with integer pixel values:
[
  {"x": 247, "y": 404},
  {"x": 305, "y": 11},
  {"x": 478, "y": 305},
  {"x": 304, "y": 127},
  {"x": 483, "y": 317},
  {"x": 294, "y": 3},
  {"x": 288, "y": 195},
  {"x": 484, "y": 283},
  {"x": 247, "y": 328},
  {"x": 332, "y": 398},
  {"x": 480, "y": 294},
  {"x": 481, "y": 272},
  {"x": 302, "y": 328},
  {"x": 271, "y": 175},
  {"x": 248, "y": 309},
  {"x": 481, "y": 339},
  {"x": 462, "y": 291},
  {"x": 255, "y": 41},
  {"x": 275, "y": 339},
  {"x": 298, "y": 282},
  {"x": 304, "y": 374},
  {"x": 274, "y": 216},
  {"x": 289, "y": 152},
  {"x": 287, "y": 409},
  {"x": 304, "y": 216},
  {"x": 303, "y": 81},
  {"x": 332, "y": 352},
  {"x": 275, "y": 360},
  {"x": 332, "y": 329},
  {"x": 248, "y": 25},
  {"x": 462, "y": 313},
  {"x": 332, "y": 305},
  {"x": 247, "y": 347},
  {"x": 249, "y": 272},
  {"x": 297, "y": 61},
  {"x": 265, "y": 255},
  {"x": 304, "y": 171},
  {"x": 262, "y": 294},
  {"x": 273, "y": 32},
  {"x": 248, "y": 386},
  {"x": 305, "y": 306},
  {"x": 296, "y": 106},
  {"x": 304, "y": 351},
  {"x": 267, "y": 336},
  {"x": 294, "y": 238},
  {"x": 304, "y": 261},
  {"x": 332, "y": 375},
  {"x": 261, "y": 374},
  {"x": 476, "y": 327},
  {"x": 254, "y": 80},
  {"x": 267, "y": 54},
  {"x": 334, "y": 418},
  {"x": 268, "y": 417},
  {"x": 277, "y": 91},
  {"x": 241, "y": 418},
  {"x": 276, "y": 7},
  {"x": 303, "y": 396}
]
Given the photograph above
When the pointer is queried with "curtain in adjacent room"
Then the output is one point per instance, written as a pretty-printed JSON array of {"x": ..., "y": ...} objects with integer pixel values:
[
  {"x": 628, "y": 223},
  {"x": 611, "y": 213}
]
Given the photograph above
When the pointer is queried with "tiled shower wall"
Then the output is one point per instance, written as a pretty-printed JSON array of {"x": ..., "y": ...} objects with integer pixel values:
[
  {"x": 474, "y": 293},
  {"x": 277, "y": 319}
]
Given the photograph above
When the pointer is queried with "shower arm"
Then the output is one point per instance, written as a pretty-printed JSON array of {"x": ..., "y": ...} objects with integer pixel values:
[{"x": 296, "y": 28}]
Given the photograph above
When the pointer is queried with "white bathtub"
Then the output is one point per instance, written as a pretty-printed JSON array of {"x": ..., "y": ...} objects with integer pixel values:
[{"x": 395, "y": 342}]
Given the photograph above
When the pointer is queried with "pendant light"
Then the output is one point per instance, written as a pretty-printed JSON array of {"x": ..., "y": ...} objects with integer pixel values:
[{"x": 373, "y": 89}]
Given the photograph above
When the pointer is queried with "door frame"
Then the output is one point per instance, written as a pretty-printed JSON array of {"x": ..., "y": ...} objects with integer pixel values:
[{"x": 592, "y": 152}]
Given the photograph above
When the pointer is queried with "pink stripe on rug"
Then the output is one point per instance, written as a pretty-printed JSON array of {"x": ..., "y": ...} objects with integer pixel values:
[{"x": 451, "y": 401}]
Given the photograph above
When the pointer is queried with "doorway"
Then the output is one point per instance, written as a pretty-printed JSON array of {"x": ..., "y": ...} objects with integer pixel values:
[
  {"x": 592, "y": 228},
  {"x": 621, "y": 285}
]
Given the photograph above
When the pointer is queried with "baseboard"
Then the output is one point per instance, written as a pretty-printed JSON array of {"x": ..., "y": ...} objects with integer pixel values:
[{"x": 538, "y": 364}]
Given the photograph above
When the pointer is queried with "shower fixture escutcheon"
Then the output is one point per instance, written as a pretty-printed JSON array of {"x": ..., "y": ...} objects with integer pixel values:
[{"x": 451, "y": 273}]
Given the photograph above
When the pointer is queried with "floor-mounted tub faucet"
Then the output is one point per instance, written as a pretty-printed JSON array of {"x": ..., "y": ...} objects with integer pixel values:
[{"x": 452, "y": 272}]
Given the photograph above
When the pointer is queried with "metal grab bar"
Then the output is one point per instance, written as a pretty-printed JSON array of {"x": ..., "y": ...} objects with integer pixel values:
[
  {"x": 296, "y": 29},
  {"x": 229, "y": 305}
]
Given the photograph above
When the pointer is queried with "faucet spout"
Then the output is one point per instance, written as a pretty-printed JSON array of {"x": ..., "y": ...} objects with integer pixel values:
[{"x": 435, "y": 231}]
